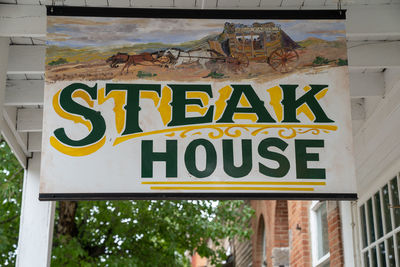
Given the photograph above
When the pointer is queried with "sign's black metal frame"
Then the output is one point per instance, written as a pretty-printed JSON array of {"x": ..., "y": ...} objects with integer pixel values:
[
  {"x": 208, "y": 196},
  {"x": 196, "y": 14},
  {"x": 76, "y": 11}
]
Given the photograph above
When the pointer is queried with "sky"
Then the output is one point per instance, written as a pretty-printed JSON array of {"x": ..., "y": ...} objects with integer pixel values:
[{"x": 81, "y": 32}]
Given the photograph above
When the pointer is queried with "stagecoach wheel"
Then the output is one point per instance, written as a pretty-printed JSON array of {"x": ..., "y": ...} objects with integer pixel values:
[
  {"x": 242, "y": 59},
  {"x": 284, "y": 60}
]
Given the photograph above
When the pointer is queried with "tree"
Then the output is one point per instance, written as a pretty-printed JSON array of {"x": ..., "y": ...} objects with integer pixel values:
[
  {"x": 122, "y": 233},
  {"x": 11, "y": 177},
  {"x": 145, "y": 233}
]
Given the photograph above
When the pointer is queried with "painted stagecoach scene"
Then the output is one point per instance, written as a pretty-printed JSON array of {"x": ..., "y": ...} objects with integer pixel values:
[{"x": 190, "y": 49}]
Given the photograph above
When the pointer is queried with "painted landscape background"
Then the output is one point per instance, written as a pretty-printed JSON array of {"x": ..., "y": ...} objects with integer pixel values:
[{"x": 78, "y": 48}]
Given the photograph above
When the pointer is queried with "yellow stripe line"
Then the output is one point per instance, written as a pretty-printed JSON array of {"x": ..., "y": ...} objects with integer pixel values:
[
  {"x": 211, "y": 126},
  {"x": 229, "y": 188},
  {"x": 236, "y": 183}
]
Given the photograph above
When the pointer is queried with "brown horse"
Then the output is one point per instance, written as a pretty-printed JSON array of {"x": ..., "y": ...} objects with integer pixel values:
[
  {"x": 137, "y": 59},
  {"x": 116, "y": 59},
  {"x": 132, "y": 59}
]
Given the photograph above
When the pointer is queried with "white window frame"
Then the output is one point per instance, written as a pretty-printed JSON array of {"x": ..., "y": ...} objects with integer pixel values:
[
  {"x": 385, "y": 237},
  {"x": 316, "y": 262}
]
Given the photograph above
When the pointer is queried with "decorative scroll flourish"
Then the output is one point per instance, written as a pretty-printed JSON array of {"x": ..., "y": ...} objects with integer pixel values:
[
  {"x": 286, "y": 131},
  {"x": 216, "y": 131}
]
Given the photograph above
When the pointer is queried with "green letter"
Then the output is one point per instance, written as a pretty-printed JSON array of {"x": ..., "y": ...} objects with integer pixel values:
[
  {"x": 70, "y": 106},
  {"x": 179, "y": 103},
  {"x": 132, "y": 106},
  {"x": 290, "y": 104},
  {"x": 170, "y": 157},
  {"x": 257, "y": 106},
  {"x": 283, "y": 162},
  {"x": 302, "y": 157},
  {"x": 229, "y": 167},
  {"x": 190, "y": 158}
]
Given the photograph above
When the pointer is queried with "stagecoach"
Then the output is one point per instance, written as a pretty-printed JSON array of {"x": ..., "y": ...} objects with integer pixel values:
[
  {"x": 234, "y": 48},
  {"x": 265, "y": 42}
]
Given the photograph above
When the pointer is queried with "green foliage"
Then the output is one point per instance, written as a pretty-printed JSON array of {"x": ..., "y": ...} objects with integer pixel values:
[
  {"x": 11, "y": 175},
  {"x": 215, "y": 75},
  {"x": 59, "y": 61},
  {"x": 143, "y": 74},
  {"x": 126, "y": 233},
  {"x": 342, "y": 62},
  {"x": 150, "y": 233},
  {"x": 320, "y": 61}
]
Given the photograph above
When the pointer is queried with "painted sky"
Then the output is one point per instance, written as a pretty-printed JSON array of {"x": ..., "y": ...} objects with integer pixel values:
[{"x": 80, "y": 32}]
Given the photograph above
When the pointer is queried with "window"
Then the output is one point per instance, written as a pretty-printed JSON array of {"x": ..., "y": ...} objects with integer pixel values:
[
  {"x": 319, "y": 234},
  {"x": 262, "y": 242},
  {"x": 380, "y": 227}
]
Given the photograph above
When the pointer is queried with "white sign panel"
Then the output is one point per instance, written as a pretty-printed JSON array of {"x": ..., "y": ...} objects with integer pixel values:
[{"x": 196, "y": 108}]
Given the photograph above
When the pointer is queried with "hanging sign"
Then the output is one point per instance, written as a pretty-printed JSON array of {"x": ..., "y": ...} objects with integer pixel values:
[{"x": 196, "y": 108}]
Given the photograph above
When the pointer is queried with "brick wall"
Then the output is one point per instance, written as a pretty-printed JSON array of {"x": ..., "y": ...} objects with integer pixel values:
[
  {"x": 287, "y": 226},
  {"x": 262, "y": 217},
  {"x": 274, "y": 214},
  {"x": 300, "y": 242},
  {"x": 335, "y": 234},
  {"x": 281, "y": 224}
]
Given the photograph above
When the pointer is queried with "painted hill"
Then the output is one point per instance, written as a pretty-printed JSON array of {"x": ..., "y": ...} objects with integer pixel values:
[
  {"x": 85, "y": 54},
  {"x": 313, "y": 41}
]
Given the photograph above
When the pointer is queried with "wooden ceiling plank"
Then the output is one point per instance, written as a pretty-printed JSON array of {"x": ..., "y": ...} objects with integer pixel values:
[
  {"x": 374, "y": 54},
  {"x": 228, "y": 4},
  {"x": 29, "y": 119},
  {"x": 383, "y": 21},
  {"x": 119, "y": 3},
  {"x": 97, "y": 3},
  {"x": 22, "y": 20},
  {"x": 74, "y": 3},
  {"x": 366, "y": 84},
  {"x": 26, "y": 59},
  {"x": 187, "y": 3},
  {"x": 249, "y": 3},
  {"x": 34, "y": 142},
  {"x": 152, "y": 3},
  {"x": 24, "y": 92}
]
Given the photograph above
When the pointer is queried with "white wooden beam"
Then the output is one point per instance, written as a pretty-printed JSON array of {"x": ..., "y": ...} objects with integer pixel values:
[
  {"x": 357, "y": 109},
  {"x": 4, "y": 56},
  {"x": 348, "y": 232},
  {"x": 13, "y": 143},
  {"x": 4, "y": 128},
  {"x": 24, "y": 59},
  {"x": 37, "y": 220},
  {"x": 392, "y": 77},
  {"x": 363, "y": 21},
  {"x": 373, "y": 54},
  {"x": 35, "y": 142},
  {"x": 10, "y": 117},
  {"x": 22, "y": 20},
  {"x": 30, "y": 92},
  {"x": 363, "y": 84},
  {"x": 24, "y": 92},
  {"x": 373, "y": 22},
  {"x": 29, "y": 119}
]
